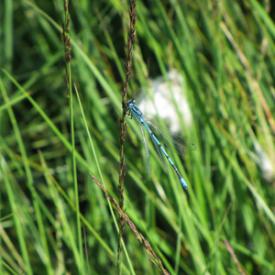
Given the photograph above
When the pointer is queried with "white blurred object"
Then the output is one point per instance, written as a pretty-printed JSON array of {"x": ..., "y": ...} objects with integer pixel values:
[
  {"x": 264, "y": 162},
  {"x": 166, "y": 92}
]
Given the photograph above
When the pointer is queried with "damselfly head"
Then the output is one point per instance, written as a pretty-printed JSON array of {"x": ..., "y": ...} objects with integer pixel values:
[
  {"x": 130, "y": 106},
  {"x": 130, "y": 103}
]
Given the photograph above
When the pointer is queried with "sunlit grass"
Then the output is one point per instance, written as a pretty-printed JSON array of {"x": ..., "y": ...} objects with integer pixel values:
[{"x": 225, "y": 53}]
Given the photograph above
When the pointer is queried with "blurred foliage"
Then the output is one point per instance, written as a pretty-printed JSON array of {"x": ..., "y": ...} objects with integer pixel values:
[{"x": 224, "y": 50}]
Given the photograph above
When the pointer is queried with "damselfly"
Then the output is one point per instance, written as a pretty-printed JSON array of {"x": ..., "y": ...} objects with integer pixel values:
[{"x": 137, "y": 114}]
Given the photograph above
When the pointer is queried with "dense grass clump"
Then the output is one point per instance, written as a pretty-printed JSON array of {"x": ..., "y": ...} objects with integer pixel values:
[{"x": 59, "y": 138}]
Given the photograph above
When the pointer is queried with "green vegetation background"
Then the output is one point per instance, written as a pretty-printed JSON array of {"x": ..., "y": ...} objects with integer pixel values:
[{"x": 54, "y": 219}]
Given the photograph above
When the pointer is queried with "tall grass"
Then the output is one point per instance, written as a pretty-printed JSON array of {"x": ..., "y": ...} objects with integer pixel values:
[{"x": 54, "y": 138}]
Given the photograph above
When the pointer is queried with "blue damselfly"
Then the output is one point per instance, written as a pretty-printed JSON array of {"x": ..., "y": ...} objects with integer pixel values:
[{"x": 137, "y": 114}]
